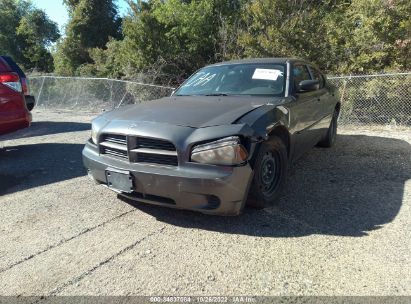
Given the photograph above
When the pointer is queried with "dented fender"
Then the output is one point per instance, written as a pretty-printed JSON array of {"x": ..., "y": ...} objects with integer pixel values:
[{"x": 266, "y": 118}]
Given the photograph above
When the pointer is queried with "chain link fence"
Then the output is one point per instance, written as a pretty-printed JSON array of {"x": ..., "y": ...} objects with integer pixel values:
[
  {"x": 367, "y": 99},
  {"x": 91, "y": 94},
  {"x": 374, "y": 99}
]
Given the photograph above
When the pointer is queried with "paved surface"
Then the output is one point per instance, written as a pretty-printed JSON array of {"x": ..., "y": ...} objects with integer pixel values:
[{"x": 341, "y": 228}]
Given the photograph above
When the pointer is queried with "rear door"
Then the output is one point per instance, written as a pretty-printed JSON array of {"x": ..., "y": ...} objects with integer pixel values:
[{"x": 322, "y": 104}]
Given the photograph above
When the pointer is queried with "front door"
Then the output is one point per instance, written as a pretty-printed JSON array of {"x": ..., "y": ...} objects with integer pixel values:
[{"x": 306, "y": 111}]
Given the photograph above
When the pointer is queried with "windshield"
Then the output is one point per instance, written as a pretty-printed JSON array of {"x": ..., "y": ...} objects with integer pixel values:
[{"x": 236, "y": 79}]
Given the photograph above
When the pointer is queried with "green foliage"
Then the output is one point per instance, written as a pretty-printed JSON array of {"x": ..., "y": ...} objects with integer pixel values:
[
  {"x": 26, "y": 34},
  {"x": 285, "y": 29},
  {"x": 182, "y": 34},
  {"x": 340, "y": 36},
  {"x": 92, "y": 23},
  {"x": 169, "y": 39},
  {"x": 376, "y": 36}
]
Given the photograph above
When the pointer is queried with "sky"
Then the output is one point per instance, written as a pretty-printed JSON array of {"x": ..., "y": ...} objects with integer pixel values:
[{"x": 57, "y": 11}]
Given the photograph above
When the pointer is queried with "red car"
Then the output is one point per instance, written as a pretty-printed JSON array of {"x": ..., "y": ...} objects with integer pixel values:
[{"x": 14, "y": 114}]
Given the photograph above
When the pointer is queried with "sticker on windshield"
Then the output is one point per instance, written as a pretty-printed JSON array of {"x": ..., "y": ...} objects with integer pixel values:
[
  {"x": 267, "y": 74},
  {"x": 202, "y": 80}
]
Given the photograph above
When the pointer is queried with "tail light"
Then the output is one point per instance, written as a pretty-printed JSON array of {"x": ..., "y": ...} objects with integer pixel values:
[{"x": 11, "y": 80}]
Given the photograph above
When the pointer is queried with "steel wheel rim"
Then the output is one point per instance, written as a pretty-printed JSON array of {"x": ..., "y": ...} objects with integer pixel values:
[{"x": 270, "y": 172}]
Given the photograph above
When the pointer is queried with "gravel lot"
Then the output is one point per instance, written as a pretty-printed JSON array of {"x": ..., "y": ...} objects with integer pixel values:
[{"x": 341, "y": 228}]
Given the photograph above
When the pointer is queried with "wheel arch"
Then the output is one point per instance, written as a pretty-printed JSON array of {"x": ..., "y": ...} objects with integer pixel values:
[
  {"x": 282, "y": 132},
  {"x": 279, "y": 131}
]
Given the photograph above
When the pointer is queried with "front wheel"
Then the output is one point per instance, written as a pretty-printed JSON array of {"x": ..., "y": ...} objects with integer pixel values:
[{"x": 270, "y": 172}]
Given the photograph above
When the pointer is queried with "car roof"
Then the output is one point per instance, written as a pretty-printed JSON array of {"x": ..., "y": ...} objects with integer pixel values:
[
  {"x": 13, "y": 66},
  {"x": 258, "y": 60}
]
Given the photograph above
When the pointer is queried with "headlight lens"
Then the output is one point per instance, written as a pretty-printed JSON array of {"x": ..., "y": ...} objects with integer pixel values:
[
  {"x": 226, "y": 151},
  {"x": 93, "y": 134}
]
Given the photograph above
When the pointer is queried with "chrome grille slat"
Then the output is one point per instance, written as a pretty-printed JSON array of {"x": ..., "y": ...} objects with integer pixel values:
[
  {"x": 116, "y": 138},
  {"x": 117, "y": 141},
  {"x": 113, "y": 145},
  {"x": 153, "y": 151},
  {"x": 122, "y": 154}
]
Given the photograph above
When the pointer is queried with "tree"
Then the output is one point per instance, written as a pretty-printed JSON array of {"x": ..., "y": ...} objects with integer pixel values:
[
  {"x": 281, "y": 28},
  {"x": 377, "y": 36},
  {"x": 181, "y": 33},
  {"x": 341, "y": 36},
  {"x": 36, "y": 34},
  {"x": 173, "y": 37},
  {"x": 92, "y": 23},
  {"x": 169, "y": 39},
  {"x": 26, "y": 34}
]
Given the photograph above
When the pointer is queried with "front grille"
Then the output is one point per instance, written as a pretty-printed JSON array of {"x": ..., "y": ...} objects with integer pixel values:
[
  {"x": 152, "y": 151},
  {"x": 139, "y": 149},
  {"x": 114, "y": 145}
]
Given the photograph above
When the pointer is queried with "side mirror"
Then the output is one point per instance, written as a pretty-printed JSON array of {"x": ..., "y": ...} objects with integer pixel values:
[
  {"x": 172, "y": 93},
  {"x": 308, "y": 86}
]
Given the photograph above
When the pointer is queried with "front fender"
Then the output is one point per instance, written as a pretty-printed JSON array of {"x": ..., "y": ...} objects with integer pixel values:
[{"x": 266, "y": 118}]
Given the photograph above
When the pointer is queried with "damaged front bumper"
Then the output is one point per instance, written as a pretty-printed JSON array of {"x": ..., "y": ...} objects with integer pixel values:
[{"x": 208, "y": 189}]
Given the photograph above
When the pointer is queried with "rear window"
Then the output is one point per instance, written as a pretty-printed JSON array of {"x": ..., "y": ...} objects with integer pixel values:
[
  {"x": 14, "y": 66},
  {"x": 4, "y": 66}
]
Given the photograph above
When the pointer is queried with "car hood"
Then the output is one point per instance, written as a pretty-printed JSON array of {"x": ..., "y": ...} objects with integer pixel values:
[{"x": 190, "y": 111}]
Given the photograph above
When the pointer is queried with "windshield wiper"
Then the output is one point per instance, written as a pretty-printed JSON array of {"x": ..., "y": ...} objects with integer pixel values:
[{"x": 216, "y": 94}]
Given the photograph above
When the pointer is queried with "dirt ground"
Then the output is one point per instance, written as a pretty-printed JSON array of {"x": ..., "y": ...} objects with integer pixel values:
[{"x": 342, "y": 226}]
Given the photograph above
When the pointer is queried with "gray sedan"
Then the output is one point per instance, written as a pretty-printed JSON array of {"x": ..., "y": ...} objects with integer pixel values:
[{"x": 224, "y": 139}]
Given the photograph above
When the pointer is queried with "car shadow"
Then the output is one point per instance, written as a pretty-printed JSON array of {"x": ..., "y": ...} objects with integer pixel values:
[
  {"x": 41, "y": 128},
  {"x": 349, "y": 190},
  {"x": 28, "y": 166}
]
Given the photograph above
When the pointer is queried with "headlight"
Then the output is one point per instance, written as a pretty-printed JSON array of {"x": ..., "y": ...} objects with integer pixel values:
[
  {"x": 226, "y": 151},
  {"x": 93, "y": 134}
]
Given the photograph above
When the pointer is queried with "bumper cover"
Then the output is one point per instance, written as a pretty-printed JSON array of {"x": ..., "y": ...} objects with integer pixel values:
[
  {"x": 30, "y": 102},
  {"x": 13, "y": 121},
  {"x": 204, "y": 188}
]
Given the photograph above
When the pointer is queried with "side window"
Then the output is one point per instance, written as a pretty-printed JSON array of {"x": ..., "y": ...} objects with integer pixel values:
[
  {"x": 317, "y": 76},
  {"x": 300, "y": 73}
]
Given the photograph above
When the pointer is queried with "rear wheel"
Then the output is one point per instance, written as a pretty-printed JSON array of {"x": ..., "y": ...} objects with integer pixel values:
[
  {"x": 270, "y": 172},
  {"x": 329, "y": 139}
]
